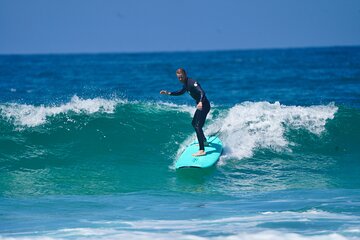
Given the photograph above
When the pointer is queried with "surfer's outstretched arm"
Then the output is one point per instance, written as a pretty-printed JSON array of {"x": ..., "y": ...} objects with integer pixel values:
[
  {"x": 179, "y": 92},
  {"x": 176, "y": 93}
]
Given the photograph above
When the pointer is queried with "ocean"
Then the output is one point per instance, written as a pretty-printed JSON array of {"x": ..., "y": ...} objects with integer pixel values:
[{"x": 88, "y": 146}]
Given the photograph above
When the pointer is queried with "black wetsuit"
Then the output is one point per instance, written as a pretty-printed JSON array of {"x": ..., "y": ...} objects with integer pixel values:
[{"x": 198, "y": 94}]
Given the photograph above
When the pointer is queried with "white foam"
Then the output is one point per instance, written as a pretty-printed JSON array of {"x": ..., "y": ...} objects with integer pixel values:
[
  {"x": 112, "y": 233},
  {"x": 237, "y": 227},
  {"x": 31, "y": 116},
  {"x": 229, "y": 224},
  {"x": 161, "y": 105},
  {"x": 255, "y": 125}
]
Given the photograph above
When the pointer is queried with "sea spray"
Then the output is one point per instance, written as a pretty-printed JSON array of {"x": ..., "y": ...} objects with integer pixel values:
[
  {"x": 30, "y": 115},
  {"x": 253, "y": 125}
]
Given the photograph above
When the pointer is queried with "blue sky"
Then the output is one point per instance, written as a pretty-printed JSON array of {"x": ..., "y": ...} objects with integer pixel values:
[{"x": 83, "y": 26}]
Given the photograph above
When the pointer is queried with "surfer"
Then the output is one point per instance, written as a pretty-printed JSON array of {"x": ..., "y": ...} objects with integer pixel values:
[{"x": 202, "y": 105}]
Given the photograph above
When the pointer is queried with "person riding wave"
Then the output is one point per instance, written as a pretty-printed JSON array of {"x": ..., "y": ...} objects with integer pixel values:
[{"x": 202, "y": 104}]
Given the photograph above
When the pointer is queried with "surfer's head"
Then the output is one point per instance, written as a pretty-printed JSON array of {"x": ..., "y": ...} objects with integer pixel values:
[{"x": 181, "y": 75}]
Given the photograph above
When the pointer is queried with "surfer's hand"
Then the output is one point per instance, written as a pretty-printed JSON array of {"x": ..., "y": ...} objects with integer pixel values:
[
  {"x": 199, "y": 106},
  {"x": 164, "y": 92}
]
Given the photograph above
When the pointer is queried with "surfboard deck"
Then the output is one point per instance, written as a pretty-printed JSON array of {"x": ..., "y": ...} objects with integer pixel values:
[{"x": 213, "y": 152}]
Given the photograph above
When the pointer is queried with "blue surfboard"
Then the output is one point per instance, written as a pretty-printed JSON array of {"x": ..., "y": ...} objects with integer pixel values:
[{"x": 213, "y": 152}]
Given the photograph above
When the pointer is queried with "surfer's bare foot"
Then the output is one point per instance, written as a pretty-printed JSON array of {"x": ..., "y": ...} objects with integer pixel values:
[{"x": 199, "y": 153}]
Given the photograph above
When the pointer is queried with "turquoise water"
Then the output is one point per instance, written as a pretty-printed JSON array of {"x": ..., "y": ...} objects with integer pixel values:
[{"x": 88, "y": 146}]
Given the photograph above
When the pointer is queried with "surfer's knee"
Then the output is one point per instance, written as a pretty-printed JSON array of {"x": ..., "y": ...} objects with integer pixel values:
[{"x": 197, "y": 127}]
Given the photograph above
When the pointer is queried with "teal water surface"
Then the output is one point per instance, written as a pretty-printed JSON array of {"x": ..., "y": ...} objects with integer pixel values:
[{"x": 88, "y": 146}]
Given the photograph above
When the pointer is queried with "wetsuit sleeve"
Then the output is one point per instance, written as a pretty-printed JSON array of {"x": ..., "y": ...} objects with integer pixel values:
[
  {"x": 201, "y": 91},
  {"x": 179, "y": 92}
]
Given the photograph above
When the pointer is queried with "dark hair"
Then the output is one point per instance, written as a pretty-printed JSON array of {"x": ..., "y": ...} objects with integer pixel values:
[{"x": 181, "y": 71}]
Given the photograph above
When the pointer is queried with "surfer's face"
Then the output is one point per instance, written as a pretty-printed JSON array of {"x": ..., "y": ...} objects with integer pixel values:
[{"x": 181, "y": 77}]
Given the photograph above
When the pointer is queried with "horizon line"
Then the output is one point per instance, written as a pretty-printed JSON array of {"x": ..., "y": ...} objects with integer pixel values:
[{"x": 179, "y": 51}]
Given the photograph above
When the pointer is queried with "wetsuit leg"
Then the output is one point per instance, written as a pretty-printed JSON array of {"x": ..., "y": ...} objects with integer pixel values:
[{"x": 198, "y": 122}]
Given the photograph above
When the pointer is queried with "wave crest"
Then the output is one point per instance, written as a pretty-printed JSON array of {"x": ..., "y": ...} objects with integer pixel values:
[
  {"x": 251, "y": 125},
  {"x": 31, "y": 116}
]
